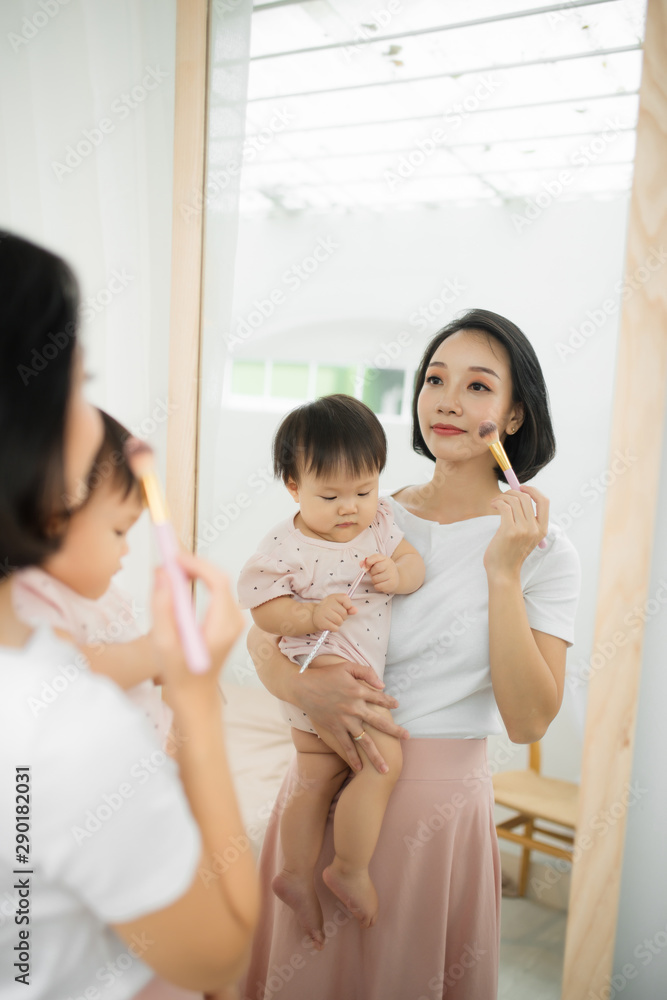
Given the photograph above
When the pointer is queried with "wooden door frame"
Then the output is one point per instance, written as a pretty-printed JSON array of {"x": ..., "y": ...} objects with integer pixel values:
[
  {"x": 625, "y": 564},
  {"x": 187, "y": 263}
]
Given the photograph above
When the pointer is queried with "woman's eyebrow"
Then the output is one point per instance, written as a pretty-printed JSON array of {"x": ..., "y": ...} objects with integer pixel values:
[{"x": 472, "y": 368}]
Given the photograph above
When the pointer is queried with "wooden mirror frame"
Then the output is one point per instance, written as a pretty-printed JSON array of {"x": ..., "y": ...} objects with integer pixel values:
[{"x": 639, "y": 403}]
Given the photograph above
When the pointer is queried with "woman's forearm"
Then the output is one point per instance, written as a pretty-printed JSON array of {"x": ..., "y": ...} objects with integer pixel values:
[
  {"x": 524, "y": 686},
  {"x": 276, "y": 672},
  {"x": 208, "y": 785}
]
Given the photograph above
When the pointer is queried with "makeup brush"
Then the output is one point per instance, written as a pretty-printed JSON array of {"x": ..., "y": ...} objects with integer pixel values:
[
  {"x": 139, "y": 457},
  {"x": 488, "y": 432},
  {"x": 316, "y": 648}
]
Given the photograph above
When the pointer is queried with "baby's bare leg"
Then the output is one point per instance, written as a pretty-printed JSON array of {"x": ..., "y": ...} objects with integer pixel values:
[
  {"x": 357, "y": 823},
  {"x": 321, "y": 772}
]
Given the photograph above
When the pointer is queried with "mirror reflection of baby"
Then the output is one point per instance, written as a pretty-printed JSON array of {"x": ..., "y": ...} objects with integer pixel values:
[
  {"x": 73, "y": 590},
  {"x": 330, "y": 453}
]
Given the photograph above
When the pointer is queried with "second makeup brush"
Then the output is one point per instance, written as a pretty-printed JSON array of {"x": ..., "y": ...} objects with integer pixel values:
[{"x": 314, "y": 651}]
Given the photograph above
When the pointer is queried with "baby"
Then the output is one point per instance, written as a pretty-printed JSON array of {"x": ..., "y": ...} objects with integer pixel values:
[
  {"x": 73, "y": 591},
  {"x": 329, "y": 454}
]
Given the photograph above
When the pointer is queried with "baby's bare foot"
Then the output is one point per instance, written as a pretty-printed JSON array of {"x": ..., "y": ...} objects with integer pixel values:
[
  {"x": 355, "y": 890},
  {"x": 299, "y": 894}
]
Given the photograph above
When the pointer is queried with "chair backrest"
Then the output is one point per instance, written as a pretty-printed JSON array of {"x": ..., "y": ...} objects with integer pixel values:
[{"x": 535, "y": 757}]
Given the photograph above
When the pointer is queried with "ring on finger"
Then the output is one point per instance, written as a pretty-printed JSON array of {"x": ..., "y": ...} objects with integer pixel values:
[{"x": 357, "y": 738}]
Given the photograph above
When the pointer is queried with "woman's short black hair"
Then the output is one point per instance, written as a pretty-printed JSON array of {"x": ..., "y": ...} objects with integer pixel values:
[
  {"x": 39, "y": 301},
  {"x": 533, "y": 445},
  {"x": 328, "y": 434}
]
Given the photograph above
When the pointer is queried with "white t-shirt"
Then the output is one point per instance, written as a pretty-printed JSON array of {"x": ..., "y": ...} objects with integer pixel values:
[
  {"x": 111, "y": 833},
  {"x": 438, "y": 657}
]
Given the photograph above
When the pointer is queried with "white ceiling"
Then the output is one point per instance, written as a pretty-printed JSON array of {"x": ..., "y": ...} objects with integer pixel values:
[{"x": 392, "y": 103}]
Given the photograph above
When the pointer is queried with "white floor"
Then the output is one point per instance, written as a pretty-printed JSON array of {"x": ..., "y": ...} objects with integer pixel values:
[{"x": 532, "y": 940}]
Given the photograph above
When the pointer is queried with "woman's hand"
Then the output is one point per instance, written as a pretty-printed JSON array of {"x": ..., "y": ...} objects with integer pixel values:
[
  {"x": 221, "y": 627},
  {"x": 521, "y": 529},
  {"x": 339, "y": 698}
]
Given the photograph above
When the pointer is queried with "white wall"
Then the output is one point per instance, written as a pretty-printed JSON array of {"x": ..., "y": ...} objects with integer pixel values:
[{"x": 385, "y": 266}]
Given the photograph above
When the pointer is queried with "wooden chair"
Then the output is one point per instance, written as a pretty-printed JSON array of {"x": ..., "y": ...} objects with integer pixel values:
[{"x": 536, "y": 798}]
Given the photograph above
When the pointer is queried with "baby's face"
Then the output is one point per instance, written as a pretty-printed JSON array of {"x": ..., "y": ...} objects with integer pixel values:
[
  {"x": 338, "y": 507},
  {"x": 96, "y": 541}
]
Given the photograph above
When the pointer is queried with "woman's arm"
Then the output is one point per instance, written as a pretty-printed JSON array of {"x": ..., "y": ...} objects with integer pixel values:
[
  {"x": 201, "y": 940},
  {"x": 337, "y": 698},
  {"x": 527, "y": 666}
]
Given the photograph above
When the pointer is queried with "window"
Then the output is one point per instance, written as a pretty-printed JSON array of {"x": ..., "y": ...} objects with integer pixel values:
[
  {"x": 276, "y": 385},
  {"x": 331, "y": 379},
  {"x": 289, "y": 381},
  {"x": 383, "y": 390},
  {"x": 248, "y": 378}
]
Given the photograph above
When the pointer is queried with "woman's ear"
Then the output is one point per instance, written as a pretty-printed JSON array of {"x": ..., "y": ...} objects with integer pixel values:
[
  {"x": 293, "y": 490},
  {"x": 516, "y": 418}
]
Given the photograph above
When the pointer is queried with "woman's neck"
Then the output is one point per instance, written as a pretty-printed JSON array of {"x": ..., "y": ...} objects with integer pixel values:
[
  {"x": 13, "y": 632},
  {"x": 456, "y": 492}
]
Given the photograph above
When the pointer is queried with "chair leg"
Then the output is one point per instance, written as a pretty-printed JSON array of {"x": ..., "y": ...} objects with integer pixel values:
[{"x": 525, "y": 860}]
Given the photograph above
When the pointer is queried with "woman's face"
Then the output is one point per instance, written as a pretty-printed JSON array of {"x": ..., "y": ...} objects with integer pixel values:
[
  {"x": 83, "y": 434},
  {"x": 468, "y": 380}
]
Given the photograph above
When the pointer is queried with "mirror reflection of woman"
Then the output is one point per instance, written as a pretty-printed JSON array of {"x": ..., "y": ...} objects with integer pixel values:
[
  {"x": 482, "y": 644},
  {"x": 126, "y": 911}
]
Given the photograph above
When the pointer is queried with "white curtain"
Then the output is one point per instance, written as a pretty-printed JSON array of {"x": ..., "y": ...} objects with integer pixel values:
[{"x": 87, "y": 112}]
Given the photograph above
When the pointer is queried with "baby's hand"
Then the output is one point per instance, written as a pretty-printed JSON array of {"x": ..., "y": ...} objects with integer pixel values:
[
  {"x": 383, "y": 572},
  {"x": 332, "y": 612}
]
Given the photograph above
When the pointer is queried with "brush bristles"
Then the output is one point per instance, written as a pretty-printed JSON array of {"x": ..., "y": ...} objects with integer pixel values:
[
  {"x": 487, "y": 429},
  {"x": 140, "y": 459},
  {"x": 488, "y": 432}
]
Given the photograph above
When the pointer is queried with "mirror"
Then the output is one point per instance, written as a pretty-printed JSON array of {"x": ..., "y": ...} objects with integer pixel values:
[{"x": 403, "y": 163}]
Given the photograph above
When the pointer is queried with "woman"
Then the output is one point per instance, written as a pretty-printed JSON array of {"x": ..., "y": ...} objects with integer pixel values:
[
  {"x": 483, "y": 640},
  {"x": 111, "y": 864}
]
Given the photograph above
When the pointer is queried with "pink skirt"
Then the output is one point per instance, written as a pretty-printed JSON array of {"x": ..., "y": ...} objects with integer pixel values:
[{"x": 437, "y": 873}]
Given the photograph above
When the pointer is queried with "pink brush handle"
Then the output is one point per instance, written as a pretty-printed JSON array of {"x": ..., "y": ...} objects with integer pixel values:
[
  {"x": 196, "y": 653},
  {"x": 514, "y": 484},
  {"x": 355, "y": 583}
]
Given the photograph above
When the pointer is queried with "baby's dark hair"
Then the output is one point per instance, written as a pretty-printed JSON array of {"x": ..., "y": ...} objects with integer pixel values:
[
  {"x": 331, "y": 433},
  {"x": 110, "y": 464}
]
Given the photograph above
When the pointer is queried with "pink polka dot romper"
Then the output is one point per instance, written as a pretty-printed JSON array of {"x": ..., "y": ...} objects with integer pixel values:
[{"x": 290, "y": 564}]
